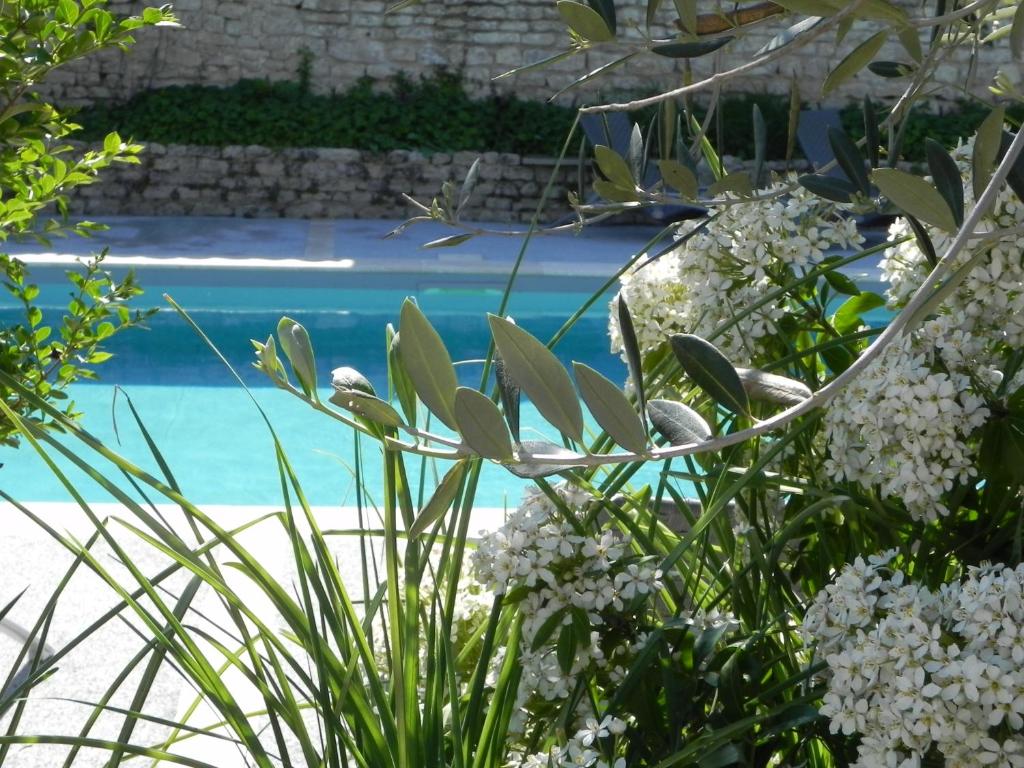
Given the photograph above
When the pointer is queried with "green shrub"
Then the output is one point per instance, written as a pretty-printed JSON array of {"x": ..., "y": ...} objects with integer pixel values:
[{"x": 433, "y": 114}]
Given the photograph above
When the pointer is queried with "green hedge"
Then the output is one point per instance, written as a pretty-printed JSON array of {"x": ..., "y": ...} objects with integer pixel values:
[{"x": 432, "y": 115}]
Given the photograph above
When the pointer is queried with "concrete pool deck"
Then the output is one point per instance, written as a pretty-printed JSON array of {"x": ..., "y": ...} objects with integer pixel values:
[
  {"x": 33, "y": 561},
  {"x": 348, "y": 247}
]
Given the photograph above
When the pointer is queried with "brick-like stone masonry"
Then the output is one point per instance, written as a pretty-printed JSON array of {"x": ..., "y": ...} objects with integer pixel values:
[
  {"x": 318, "y": 183},
  {"x": 259, "y": 182},
  {"x": 225, "y": 40}
]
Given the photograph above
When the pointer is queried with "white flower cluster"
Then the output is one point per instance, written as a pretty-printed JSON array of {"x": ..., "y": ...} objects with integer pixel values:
[
  {"x": 921, "y": 674},
  {"x": 561, "y": 572},
  {"x": 580, "y": 751},
  {"x": 746, "y": 251},
  {"x": 988, "y": 306},
  {"x": 906, "y": 425}
]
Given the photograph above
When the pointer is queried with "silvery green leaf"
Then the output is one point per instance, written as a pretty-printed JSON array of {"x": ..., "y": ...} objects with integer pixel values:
[
  {"x": 871, "y": 137},
  {"x": 828, "y": 187},
  {"x": 350, "y": 378},
  {"x": 428, "y": 363},
  {"x": 690, "y": 50},
  {"x": 611, "y": 409},
  {"x": 772, "y": 388},
  {"x": 448, "y": 241},
  {"x": 986, "y": 150},
  {"x": 738, "y": 183},
  {"x": 946, "y": 177},
  {"x": 584, "y": 21},
  {"x": 297, "y": 348},
  {"x": 544, "y": 380},
  {"x": 440, "y": 501},
  {"x": 401, "y": 384},
  {"x": 523, "y": 467},
  {"x": 371, "y": 408},
  {"x": 614, "y": 167},
  {"x": 711, "y": 371},
  {"x": 607, "y": 10},
  {"x": 268, "y": 361},
  {"x": 509, "y": 392},
  {"x": 854, "y": 62},
  {"x": 915, "y": 196},
  {"x": 481, "y": 425},
  {"x": 631, "y": 346},
  {"x": 677, "y": 422},
  {"x": 680, "y": 178},
  {"x": 849, "y": 158}
]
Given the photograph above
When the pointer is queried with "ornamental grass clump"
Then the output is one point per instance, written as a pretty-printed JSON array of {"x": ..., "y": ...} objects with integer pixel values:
[{"x": 923, "y": 674}]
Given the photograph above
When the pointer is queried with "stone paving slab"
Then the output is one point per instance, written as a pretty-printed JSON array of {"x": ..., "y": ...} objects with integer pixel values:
[{"x": 30, "y": 558}]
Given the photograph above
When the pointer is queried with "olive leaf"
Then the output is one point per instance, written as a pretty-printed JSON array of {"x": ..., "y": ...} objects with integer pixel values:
[
  {"x": 946, "y": 177},
  {"x": 523, "y": 467},
  {"x": 677, "y": 423},
  {"x": 1015, "y": 178},
  {"x": 738, "y": 183},
  {"x": 871, "y": 137},
  {"x": 849, "y": 158},
  {"x": 1017, "y": 34},
  {"x": 371, "y": 408},
  {"x": 268, "y": 361},
  {"x": 297, "y": 348},
  {"x": 680, "y": 178},
  {"x": 440, "y": 500},
  {"x": 428, "y": 363},
  {"x": 690, "y": 50},
  {"x": 448, "y": 241},
  {"x": 908, "y": 37},
  {"x": 611, "y": 408},
  {"x": 632, "y": 348},
  {"x": 398, "y": 377},
  {"x": 584, "y": 21},
  {"x": 508, "y": 390},
  {"x": 854, "y": 62},
  {"x": 607, "y": 10},
  {"x": 535, "y": 368},
  {"x": 350, "y": 378},
  {"x": 481, "y": 425},
  {"x": 915, "y": 196},
  {"x": 711, "y": 371},
  {"x": 828, "y": 187},
  {"x": 891, "y": 69},
  {"x": 614, "y": 193},
  {"x": 772, "y": 388},
  {"x": 986, "y": 150},
  {"x": 614, "y": 167}
]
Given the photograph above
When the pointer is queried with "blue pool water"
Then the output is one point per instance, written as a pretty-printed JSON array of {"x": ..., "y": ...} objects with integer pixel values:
[{"x": 212, "y": 434}]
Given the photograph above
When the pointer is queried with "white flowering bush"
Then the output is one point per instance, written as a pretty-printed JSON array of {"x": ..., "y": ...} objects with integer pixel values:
[
  {"x": 911, "y": 425},
  {"x": 915, "y": 673},
  {"x": 590, "y": 606},
  {"x": 581, "y": 595},
  {"x": 725, "y": 270}
]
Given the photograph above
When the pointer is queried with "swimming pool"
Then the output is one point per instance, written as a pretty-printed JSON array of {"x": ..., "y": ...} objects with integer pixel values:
[
  {"x": 209, "y": 429},
  {"x": 236, "y": 281}
]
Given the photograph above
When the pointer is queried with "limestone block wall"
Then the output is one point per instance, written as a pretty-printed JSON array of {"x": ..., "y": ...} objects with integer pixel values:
[
  {"x": 317, "y": 183},
  {"x": 225, "y": 40}
]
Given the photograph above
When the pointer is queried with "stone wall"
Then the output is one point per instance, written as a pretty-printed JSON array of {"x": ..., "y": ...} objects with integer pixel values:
[
  {"x": 317, "y": 183},
  {"x": 225, "y": 40}
]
